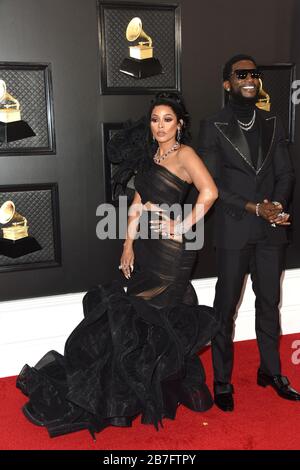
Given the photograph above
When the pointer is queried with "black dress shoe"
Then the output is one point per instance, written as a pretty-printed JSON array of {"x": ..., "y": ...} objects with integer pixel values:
[
  {"x": 223, "y": 394},
  {"x": 280, "y": 383}
]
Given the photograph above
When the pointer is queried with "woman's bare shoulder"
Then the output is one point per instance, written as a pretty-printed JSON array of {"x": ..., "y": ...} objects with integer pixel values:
[{"x": 186, "y": 151}]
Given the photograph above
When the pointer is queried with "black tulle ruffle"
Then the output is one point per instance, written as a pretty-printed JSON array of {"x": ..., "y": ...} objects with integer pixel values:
[
  {"x": 124, "y": 359},
  {"x": 129, "y": 149}
]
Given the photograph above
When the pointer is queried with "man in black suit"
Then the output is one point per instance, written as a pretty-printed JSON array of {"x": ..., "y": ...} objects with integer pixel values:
[{"x": 245, "y": 150}]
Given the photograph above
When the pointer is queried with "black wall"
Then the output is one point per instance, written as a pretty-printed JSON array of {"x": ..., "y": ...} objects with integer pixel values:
[
  {"x": 64, "y": 33},
  {"x": 293, "y": 259}
]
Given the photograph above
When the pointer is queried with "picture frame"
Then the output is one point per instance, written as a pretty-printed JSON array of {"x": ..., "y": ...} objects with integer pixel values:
[
  {"x": 107, "y": 130},
  {"x": 39, "y": 203},
  {"x": 277, "y": 80},
  {"x": 162, "y": 22},
  {"x": 31, "y": 85}
]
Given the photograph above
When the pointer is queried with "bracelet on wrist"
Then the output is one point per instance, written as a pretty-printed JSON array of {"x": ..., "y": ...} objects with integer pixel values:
[{"x": 257, "y": 209}]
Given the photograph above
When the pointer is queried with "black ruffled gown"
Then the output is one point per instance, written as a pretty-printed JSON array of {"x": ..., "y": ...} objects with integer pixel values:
[{"x": 134, "y": 353}]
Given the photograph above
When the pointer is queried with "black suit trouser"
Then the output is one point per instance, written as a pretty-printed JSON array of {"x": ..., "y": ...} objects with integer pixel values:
[{"x": 265, "y": 263}]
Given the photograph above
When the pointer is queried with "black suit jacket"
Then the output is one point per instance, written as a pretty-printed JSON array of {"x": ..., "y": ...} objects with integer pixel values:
[{"x": 225, "y": 151}]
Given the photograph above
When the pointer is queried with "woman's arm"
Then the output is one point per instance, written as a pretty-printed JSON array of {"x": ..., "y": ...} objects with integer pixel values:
[
  {"x": 127, "y": 258},
  {"x": 203, "y": 181},
  {"x": 196, "y": 173}
]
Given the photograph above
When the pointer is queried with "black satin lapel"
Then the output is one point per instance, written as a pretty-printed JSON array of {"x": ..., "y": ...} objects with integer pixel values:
[
  {"x": 235, "y": 136},
  {"x": 266, "y": 131},
  {"x": 260, "y": 157}
]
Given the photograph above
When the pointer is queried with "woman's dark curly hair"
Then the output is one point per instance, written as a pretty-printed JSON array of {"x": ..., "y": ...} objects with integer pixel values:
[
  {"x": 131, "y": 148},
  {"x": 175, "y": 101}
]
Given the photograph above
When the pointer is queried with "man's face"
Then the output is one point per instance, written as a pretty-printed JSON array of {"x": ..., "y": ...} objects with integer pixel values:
[{"x": 243, "y": 87}]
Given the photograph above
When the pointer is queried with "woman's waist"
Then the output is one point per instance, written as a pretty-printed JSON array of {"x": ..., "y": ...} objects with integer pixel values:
[{"x": 156, "y": 221}]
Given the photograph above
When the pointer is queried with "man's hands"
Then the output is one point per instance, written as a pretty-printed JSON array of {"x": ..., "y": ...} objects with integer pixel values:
[
  {"x": 270, "y": 211},
  {"x": 273, "y": 213}
]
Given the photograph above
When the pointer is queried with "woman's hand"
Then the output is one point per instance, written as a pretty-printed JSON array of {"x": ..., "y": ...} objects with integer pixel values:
[
  {"x": 169, "y": 228},
  {"x": 127, "y": 261}
]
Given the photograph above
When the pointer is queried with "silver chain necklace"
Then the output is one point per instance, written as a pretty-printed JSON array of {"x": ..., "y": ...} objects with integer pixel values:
[
  {"x": 248, "y": 125},
  {"x": 159, "y": 158}
]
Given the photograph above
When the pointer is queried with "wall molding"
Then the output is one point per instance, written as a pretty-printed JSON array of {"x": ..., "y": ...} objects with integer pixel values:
[{"x": 31, "y": 327}]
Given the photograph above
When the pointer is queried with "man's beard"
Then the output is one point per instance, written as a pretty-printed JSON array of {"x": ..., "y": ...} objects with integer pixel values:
[{"x": 238, "y": 98}]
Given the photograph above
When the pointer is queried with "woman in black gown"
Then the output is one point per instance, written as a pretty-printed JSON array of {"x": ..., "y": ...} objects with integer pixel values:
[{"x": 135, "y": 353}]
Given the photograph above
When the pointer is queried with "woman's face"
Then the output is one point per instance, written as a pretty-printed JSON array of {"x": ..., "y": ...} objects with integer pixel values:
[{"x": 164, "y": 124}]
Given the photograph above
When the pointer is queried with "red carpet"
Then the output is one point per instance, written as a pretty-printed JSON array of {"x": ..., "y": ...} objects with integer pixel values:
[{"x": 261, "y": 419}]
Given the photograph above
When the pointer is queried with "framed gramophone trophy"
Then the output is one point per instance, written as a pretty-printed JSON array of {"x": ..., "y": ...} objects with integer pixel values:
[
  {"x": 139, "y": 47},
  {"x": 15, "y": 240},
  {"x": 29, "y": 227},
  {"x": 12, "y": 127},
  {"x": 277, "y": 83},
  {"x": 26, "y": 109},
  {"x": 141, "y": 63}
]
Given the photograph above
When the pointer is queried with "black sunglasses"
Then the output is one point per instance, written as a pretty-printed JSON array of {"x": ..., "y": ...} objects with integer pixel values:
[{"x": 241, "y": 74}]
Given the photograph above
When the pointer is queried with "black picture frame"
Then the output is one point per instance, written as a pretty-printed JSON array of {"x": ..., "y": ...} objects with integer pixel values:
[
  {"x": 160, "y": 21},
  {"x": 39, "y": 203},
  {"x": 277, "y": 81},
  {"x": 31, "y": 85},
  {"x": 107, "y": 131}
]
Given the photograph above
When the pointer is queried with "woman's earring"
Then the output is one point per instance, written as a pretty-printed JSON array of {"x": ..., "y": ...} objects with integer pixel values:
[
  {"x": 178, "y": 136},
  {"x": 153, "y": 139}
]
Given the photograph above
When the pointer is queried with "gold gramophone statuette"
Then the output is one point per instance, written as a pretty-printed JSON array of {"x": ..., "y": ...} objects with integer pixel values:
[
  {"x": 140, "y": 63},
  {"x": 263, "y": 101},
  {"x": 134, "y": 31},
  {"x": 9, "y": 106},
  {"x": 17, "y": 227}
]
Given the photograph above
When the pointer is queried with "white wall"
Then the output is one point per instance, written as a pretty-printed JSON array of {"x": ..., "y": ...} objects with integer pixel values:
[{"x": 31, "y": 327}]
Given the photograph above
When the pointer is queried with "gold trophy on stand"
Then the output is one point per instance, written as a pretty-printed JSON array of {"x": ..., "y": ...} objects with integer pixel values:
[
  {"x": 15, "y": 239},
  {"x": 18, "y": 227},
  {"x": 141, "y": 63},
  {"x": 9, "y": 106},
  {"x": 263, "y": 101},
  {"x": 11, "y": 125}
]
